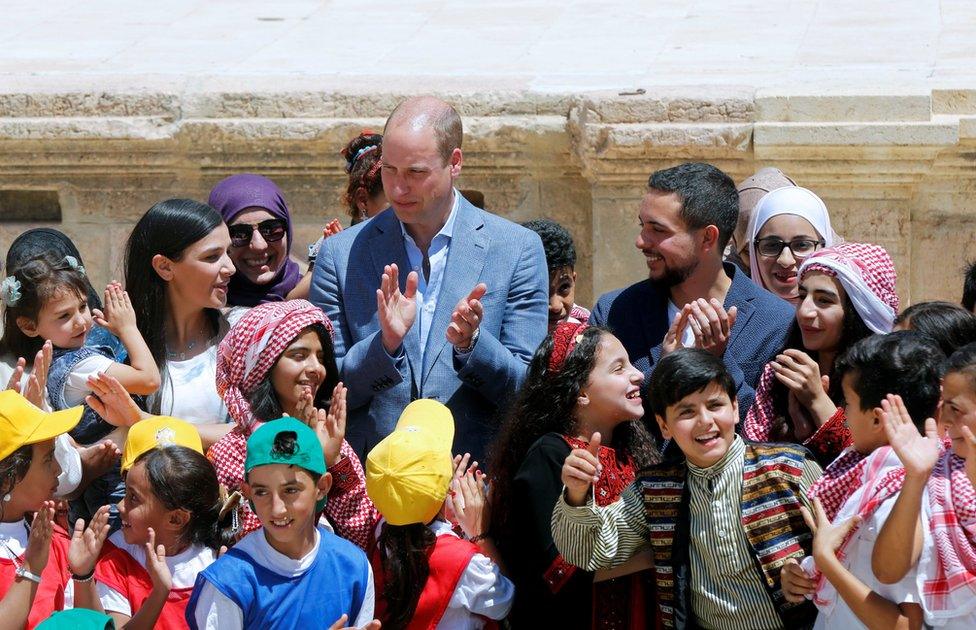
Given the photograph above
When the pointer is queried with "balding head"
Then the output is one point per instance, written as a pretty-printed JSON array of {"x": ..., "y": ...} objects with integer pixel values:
[{"x": 428, "y": 112}]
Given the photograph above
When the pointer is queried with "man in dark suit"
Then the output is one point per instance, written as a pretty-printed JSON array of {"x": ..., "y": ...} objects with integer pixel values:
[
  {"x": 433, "y": 297},
  {"x": 690, "y": 297}
]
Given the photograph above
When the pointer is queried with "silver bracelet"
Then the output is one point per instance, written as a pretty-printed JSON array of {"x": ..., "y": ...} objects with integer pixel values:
[{"x": 22, "y": 572}]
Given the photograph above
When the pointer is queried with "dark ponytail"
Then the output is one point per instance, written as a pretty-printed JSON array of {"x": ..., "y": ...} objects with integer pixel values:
[
  {"x": 182, "y": 478},
  {"x": 405, "y": 570}
]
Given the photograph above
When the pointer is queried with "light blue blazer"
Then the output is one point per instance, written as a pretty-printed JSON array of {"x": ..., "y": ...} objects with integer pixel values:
[{"x": 484, "y": 248}]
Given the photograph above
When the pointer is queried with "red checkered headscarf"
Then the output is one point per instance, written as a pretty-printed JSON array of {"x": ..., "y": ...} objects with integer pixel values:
[
  {"x": 564, "y": 338},
  {"x": 252, "y": 346},
  {"x": 867, "y": 274}
]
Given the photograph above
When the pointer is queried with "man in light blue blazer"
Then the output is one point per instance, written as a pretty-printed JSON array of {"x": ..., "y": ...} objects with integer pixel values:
[{"x": 433, "y": 297}]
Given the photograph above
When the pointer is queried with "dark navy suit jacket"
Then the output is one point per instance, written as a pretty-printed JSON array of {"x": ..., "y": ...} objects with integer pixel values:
[{"x": 638, "y": 316}]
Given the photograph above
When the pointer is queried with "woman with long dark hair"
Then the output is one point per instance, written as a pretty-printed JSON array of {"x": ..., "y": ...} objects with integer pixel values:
[
  {"x": 177, "y": 274},
  {"x": 580, "y": 382},
  {"x": 846, "y": 293}
]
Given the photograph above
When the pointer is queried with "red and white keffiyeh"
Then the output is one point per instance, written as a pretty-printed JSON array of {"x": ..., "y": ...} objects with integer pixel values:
[
  {"x": 948, "y": 578},
  {"x": 253, "y": 345},
  {"x": 867, "y": 274}
]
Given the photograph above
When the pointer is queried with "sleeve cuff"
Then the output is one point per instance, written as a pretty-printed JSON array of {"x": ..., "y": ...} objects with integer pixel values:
[{"x": 343, "y": 476}]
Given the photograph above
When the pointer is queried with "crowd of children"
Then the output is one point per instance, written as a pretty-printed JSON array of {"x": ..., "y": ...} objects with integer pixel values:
[{"x": 844, "y": 498}]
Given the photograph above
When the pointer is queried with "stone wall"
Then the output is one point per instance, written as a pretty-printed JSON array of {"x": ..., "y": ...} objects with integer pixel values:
[{"x": 895, "y": 169}]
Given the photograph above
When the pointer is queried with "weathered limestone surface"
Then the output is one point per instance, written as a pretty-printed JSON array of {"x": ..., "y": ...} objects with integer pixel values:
[
  {"x": 568, "y": 107},
  {"x": 894, "y": 169}
]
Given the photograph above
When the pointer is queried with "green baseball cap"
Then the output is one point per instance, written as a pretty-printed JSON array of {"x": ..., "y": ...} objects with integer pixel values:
[
  {"x": 307, "y": 453},
  {"x": 77, "y": 619}
]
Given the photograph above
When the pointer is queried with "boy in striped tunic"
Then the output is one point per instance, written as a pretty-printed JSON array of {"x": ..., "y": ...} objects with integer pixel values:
[{"x": 721, "y": 515}]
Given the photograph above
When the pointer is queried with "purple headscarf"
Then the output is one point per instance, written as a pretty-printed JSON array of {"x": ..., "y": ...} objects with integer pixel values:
[{"x": 229, "y": 198}]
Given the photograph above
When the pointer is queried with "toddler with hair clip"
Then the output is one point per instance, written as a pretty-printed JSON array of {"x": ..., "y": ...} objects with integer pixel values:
[{"x": 46, "y": 299}]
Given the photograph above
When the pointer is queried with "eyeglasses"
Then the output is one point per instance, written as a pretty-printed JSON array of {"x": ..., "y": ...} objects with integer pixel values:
[
  {"x": 773, "y": 246},
  {"x": 272, "y": 231}
]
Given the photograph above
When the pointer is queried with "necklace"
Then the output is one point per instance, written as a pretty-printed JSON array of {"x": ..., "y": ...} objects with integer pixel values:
[{"x": 180, "y": 356}]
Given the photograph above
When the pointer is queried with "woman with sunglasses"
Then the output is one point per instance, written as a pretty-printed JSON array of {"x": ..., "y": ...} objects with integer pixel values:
[
  {"x": 177, "y": 274},
  {"x": 259, "y": 223},
  {"x": 787, "y": 226}
]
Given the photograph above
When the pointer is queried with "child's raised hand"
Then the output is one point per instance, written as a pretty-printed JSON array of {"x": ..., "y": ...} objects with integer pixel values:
[
  {"x": 827, "y": 536},
  {"x": 967, "y": 434},
  {"x": 86, "y": 542},
  {"x": 330, "y": 425},
  {"x": 918, "y": 454},
  {"x": 795, "y": 582},
  {"x": 14, "y": 381},
  {"x": 39, "y": 540},
  {"x": 472, "y": 510},
  {"x": 35, "y": 388},
  {"x": 340, "y": 624},
  {"x": 331, "y": 228},
  {"x": 110, "y": 400},
  {"x": 118, "y": 314},
  {"x": 581, "y": 470},
  {"x": 156, "y": 567}
]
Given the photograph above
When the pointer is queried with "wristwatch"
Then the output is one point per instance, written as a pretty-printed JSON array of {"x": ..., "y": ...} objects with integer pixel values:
[{"x": 22, "y": 572}]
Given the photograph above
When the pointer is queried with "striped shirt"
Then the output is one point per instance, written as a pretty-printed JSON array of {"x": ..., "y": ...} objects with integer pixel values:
[{"x": 727, "y": 588}]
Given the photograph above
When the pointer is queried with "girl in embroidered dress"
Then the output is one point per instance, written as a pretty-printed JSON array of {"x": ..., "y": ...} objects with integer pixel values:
[
  {"x": 33, "y": 556},
  {"x": 279, "y": 359},
  {"x": 426, "y": 575},
  {"x": 144, "y": 574},
  {"x": 580, "y": 382},
  {"x": 847, "y": 292},
  {"x": 51, "y": 303}
]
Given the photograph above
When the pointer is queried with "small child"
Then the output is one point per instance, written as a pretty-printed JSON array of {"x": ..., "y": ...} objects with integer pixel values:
[
  {"x": 426, "y": 575},
  {"x": 290, "y": 573},
  {"x": 580, "y": 382},
  {"x": 50, "y": 302},
  {"x": 936, "y": 505},
  {"x": 170, "y": 531},
  {"x": 561, "y": 261},
  {"x": 722, "y": 515},
  {"x": 33, "y": 575},
  {"x": 852, "y": 498}
]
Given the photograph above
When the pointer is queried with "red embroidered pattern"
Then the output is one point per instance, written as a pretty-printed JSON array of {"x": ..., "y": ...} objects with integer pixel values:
[
  {"x": 618, "y": 472},
  {"x": 558, "y": 574}
]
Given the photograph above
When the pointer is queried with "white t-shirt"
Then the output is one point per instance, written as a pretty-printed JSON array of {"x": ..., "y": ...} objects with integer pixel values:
[
  {"x": 184, "y": 567},
  {"x": 688, "y": 336},
  {"x": 64, "y": 450},
  {"x": 216, "y": 611},
  {"x": 76, "y": 385},
  {"x": 857, "y": 560}
]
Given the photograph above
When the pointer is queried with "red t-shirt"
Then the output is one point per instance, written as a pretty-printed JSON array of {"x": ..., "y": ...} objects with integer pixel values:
[{"x": 54, "y": 579}]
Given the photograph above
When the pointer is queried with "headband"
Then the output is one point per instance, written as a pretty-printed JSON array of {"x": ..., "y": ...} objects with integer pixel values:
[{"x": 564, "y": 339}]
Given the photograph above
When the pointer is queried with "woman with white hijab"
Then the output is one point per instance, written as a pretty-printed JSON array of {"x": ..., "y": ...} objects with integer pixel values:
[{"x": 787, "y": 226}]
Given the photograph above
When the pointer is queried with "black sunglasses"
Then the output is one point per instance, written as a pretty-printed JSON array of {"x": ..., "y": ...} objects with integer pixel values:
[
  {"x": 773, "y": 246},
  {"x": 272, "y": 231}
]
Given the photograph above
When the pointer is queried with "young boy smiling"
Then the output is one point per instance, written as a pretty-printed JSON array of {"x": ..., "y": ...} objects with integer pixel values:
[
  {"x": 289, "y": 573},
  {"x": 721, "y": 515}
]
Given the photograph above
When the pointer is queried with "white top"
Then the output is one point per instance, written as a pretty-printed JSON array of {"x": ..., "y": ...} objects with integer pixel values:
[
  {"x": 64, "y": 449},
  {"x": 76, "y": 386},
  {"x": 482, "y": 590},
  {"x": 184, "y": 567},
  {"x": 688, "y": 336},
  {"x": 216, "y": 611},
  {"x": 857, "y": 560}
]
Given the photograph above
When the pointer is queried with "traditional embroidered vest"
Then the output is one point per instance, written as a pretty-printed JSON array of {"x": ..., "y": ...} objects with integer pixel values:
[{"x": 771, "y": 519}]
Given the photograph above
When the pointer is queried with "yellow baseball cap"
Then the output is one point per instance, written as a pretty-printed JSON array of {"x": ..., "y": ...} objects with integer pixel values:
[
  {"x": 21, "y": 423},
  {"x": 409, "y": 472},
  {"x": 157, "y": 431}
]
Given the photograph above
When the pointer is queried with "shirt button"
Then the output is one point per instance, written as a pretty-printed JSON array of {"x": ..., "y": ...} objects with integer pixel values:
[
  {"x": 429, "y": 307},
  {"x": 722, "y": 534}
]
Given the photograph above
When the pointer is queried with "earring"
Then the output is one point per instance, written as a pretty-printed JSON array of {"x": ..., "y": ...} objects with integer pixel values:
[{"x": 6, "y": 497}]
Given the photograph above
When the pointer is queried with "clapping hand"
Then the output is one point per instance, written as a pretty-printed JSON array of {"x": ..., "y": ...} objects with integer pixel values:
[
  {"x": 466, "y": 318},
  {"x": 918, "y": 453},
  {"x": 156, "y": 567},
  {"x": 39, "y": 540},
  {"x": 34, "y": 389},
  {"x": 118, "y": 314},
  {"x": 111, "y": 401},
  {"x": 331, "y": 228},
  {"x": 827, "y": 537},
  {"x": 672, "y": 339},
  {"x": 581, "y": 470},
  {"x": 396, "y": 310},
  {"x": 472, "y": 511},
  {"x": 712, "y": 324},
  {"x": 86, "y": 542}
]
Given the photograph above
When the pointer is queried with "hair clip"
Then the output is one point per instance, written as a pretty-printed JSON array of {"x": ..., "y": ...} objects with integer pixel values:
[
  {"x": 10, "y": 291},
  {"x": 74, "y": 264}
]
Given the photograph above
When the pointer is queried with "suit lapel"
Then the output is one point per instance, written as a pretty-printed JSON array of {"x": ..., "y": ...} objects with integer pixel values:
[
  {"x": 465, "y": 261},
  {"x": 742, "y": 301},
  {"x": 387, "y": 239}
]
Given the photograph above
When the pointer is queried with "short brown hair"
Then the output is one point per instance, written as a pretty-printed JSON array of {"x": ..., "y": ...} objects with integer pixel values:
[{"x": 440, "y": 116}]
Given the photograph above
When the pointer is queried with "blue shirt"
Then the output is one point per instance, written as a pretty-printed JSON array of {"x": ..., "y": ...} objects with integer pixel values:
[{"x": 429, "y": 288}]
